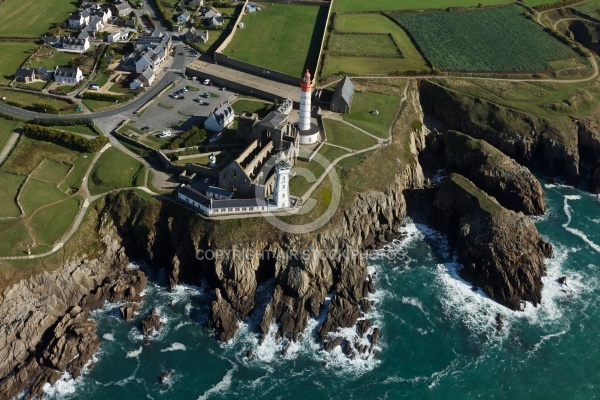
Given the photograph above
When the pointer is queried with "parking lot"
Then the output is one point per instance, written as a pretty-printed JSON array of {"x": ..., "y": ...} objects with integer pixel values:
[{"x": 189, "y": 109}]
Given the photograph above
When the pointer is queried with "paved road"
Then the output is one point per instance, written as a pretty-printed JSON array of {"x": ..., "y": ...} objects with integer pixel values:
[{"x": 9, "y": 145}]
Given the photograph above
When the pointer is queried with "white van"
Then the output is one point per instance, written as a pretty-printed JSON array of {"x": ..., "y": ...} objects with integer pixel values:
[{"x": 95, "y": 87}]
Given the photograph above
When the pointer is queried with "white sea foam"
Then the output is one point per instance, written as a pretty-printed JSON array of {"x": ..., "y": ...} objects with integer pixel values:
[
  {"x": 135, "y": 353},
  {"x": 175, "y": 347},
  {"x": 109, "y": 336},
  {"x": 181, "y": 325},
  {"x": 222, "y": 386},
  {"x": 65, "y": 385},
  {"x": 574, "y": 231}
]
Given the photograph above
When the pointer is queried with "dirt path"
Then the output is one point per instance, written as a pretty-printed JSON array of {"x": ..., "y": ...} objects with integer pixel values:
[{"x": 10, "y": 143}]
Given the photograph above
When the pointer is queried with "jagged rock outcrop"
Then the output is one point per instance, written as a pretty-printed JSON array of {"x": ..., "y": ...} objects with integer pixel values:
[
  {"x": 152, "y": 323},
  {"x": 44, "y": 326},
  {"x": 513, "y": 185},
  {"x": 223, "y": 318},
  {"x": 589, "y": 148},
  {"x": 516, "y": 134},
  {"x": 501, "y": 250}
]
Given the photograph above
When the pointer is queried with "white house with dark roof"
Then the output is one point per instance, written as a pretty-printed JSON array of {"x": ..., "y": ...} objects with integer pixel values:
[
  {"x": 220, "y": 118},
  {"x": 74, "y": 45},
  {"x": 214, "y": 22},
  {"x": 213, "y": 12},
  {"x": 121, "y": 35},
  {"x": 67, "y": 75},
  {"x": 196, "y": 36},
  {"x": 78, "y": 20},
  {"x": 183, "y": 17}
]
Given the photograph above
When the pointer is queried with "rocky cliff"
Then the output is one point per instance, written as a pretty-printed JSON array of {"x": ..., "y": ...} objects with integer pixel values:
[
  {"x": 44, "y": 325},
  {"x": 501, "y": 250},
  {"x": 519, "y": 135},
  {"x": 511, "y": 184},
  {"x": 589, "y": 147}
]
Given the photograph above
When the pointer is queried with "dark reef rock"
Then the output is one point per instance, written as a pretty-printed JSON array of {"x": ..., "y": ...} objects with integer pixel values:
[
  {"x": 152, "y": 323},
  {"x": 513, "y": 185},
  {"x": 501, "y": 250}
]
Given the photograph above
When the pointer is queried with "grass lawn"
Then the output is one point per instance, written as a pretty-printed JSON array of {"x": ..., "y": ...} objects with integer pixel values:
[
  {"x": 95, "y": 105},
  {"x": 363, "y": 45},
  {"x": 61, "y": 216},
  {"x": 259, "y": 107},
  {"x": 411, "y": 59},
  {"x": 48, "y": 57},
  {"x": 75, "y": 177},
  {"x": 10, "y": 185},
  {"x": 29, "y": 153},
  {"x": 119, "y": 88},
  {"x": 36, "y": 194},
  {"x": 83, "y": 129},
  {"x": 6, "y": 128},
  {"x": 115, "y": 169},
  {"x": 24, "y": 100},
  {"x": 51, "y": 171},
  {"x": 291, "y": 33},
  {"x": 101, "y": 79},
  {"x": 63, "y": 89},
  {"x": 306, "y": 174},
  {"x": 341, "y": 134},
  {"x": 361, "y": 112},
  {"x": 331, "y": 153},
  {"x": 32, "y": 18},
  {"x": 13, "y": 55},
  {"x": 15, "y": 238},
  {"x": 203, "y": 160}
]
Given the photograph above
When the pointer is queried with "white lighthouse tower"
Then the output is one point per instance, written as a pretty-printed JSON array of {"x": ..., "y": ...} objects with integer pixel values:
[
  {"x": 281, "y": 194},
  {"x": 307, "y": 86},
  {"x": 309, "y": 132}
]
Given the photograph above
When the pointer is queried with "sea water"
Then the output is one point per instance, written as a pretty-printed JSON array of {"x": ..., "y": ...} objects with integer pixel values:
[{"x": 439, "y": 338}]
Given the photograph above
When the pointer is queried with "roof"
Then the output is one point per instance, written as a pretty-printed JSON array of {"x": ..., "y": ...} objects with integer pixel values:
[
  {"x": 345, "y": 89},
  {"x": 223, "y": 111},
  {"x": 24, "y": 73},
  {"x": 185, "y": 14},
  {"x": 273, "y": 120},
  {"x": 192, "y": 194},
  {"x": 67, "y": 72},
  {"x": 122, "y": 5},
  {"x": 148, "y": 73},
  {"x": 219, "y": 191},
  {"x": 238, "y": 203}
]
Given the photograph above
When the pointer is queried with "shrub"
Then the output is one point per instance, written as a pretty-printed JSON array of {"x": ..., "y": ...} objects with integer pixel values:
[
  {"x": 69, "y": 140},
  {"x": 192, "y": 137},
  {"x": 104, "y": 96}
]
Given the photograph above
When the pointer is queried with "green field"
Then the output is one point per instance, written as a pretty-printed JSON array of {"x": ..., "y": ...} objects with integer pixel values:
[
  {"x": 13, "y": 55},
  {"x": 590, "y": 7},
  {"x": 83, "y": 129},
  {"x": 363, "y": 45},
  {"x": 411, "y": 59},
  {"x": 290, "y": 37},
  {"x": 10, "y": 185},
  {"x": 30, "y": 153},
  {"x": 489, "y": 40},
  {"x": 95, "y": 105},
  {"x": 51, "y": 171},
  {"x": 62, "y": 215},
  {"x": 390, "y": 5},
  {"x": 25, "y": 100},
  {"x": 259, "y": 107},
  {"x": 361, "y": 112},
  {"x": 36, "y": 194},
  {"x": 32, "y": 18},
  {"x": 115, "y": 169},
  {"x": 342, "y": 134}
]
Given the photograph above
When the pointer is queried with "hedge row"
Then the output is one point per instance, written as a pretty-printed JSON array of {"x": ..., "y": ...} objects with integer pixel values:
[
  {"x": 69, "y": 140},
  {"x": 192, "y": 137},
  {"x": 61, "y": 122},
  {"x": 105, "y": 96}
]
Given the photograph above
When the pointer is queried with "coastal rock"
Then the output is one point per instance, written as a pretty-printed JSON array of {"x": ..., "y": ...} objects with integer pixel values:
[
  {"x": 589, "y": 148},
  {"x": 128, "y": 311},
  {"x": 513, "y": 185},
  {"x": 44, "y": 325},
  {"x": 152, "y": 323},
  {"x": 223, "y": 318},
  {"x": 165, "y": 376},
  {"x": 501, "y": 250}
]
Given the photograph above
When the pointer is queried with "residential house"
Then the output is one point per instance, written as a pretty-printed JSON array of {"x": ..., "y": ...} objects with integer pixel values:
[
  {"x": 195, "y": 3},
  {"x": 96, "y": 25},
  {"x": 195, "y": 36},
  {"x": 145, "y": 79},
  {"x": 151, "y": 58},
  {"x": 122, "y": 8},
  {"x": 79, "y": 19},
  {"x": 214, "y": 22},
  {"x": 251, "y": 7},
  {"x": 183, "y": 17},
  {"x": 213, "y": 12},
  {"x": 118, "y": 36},
  {"x": 220, "y": 118},
  {"x": 28, "y": 75},
  {"x": 342, "y": 96},
  {"x": 75, "y": 45},
  {"x": 96, "y": 10},
  {"x": 67, "y": 75}
]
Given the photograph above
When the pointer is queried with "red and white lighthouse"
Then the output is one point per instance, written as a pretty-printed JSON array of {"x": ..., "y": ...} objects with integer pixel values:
[{"x": 307, "y": 86}]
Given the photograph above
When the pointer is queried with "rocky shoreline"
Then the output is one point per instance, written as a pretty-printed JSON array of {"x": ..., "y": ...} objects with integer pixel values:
[{"x": 46, "y": 330}]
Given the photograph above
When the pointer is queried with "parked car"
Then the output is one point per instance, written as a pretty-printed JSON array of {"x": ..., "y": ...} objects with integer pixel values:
[
  {"x": 164, "y": 134},
  {"x": 206, "y": 95},
  {"x": 95, "y": 87},
  {"x": 185, "y": 89},
  {"x": 206, "y": 81},
  {"x": 174, "y": 95},
  {"x": 146, "y": 128}
]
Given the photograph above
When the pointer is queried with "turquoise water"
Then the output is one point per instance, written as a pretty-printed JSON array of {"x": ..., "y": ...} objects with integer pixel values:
[{"x": 439, "y": 338}]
